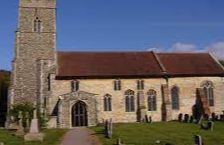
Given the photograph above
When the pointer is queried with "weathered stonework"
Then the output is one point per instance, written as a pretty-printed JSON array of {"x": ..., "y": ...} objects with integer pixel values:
[
  {"x": 30, "y": 47},
  {"x": 34, "y": 79},
  {"x": 66, "y": 103},
  {"x": 102, "y": 87}
]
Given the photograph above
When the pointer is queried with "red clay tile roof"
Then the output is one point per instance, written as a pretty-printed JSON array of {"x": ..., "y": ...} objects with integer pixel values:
[
  {"x": 135, "y": 64},
  {"x": 190, "y": 64},
  {"x": 107, "y": 64}
]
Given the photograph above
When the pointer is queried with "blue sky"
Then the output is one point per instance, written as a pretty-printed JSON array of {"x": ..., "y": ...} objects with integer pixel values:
[{"x": 106, "y": 25}]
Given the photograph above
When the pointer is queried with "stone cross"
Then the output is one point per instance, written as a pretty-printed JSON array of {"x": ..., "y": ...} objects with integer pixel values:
[{"x": 34, "y": 133}]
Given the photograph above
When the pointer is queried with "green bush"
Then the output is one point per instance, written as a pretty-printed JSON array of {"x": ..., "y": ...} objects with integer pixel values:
[{"x": 25, "y": 108}]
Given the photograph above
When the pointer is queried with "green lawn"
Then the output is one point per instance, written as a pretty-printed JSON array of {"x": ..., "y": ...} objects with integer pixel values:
[
  {"x": 167, "y": 132},
  {"x": 52, "y": 137}
]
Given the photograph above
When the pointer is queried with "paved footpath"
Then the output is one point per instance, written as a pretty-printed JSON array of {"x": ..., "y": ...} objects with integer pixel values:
[{"x": 80, "y": 136}]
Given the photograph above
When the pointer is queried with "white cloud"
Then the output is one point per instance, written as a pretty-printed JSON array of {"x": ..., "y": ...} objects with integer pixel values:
[
  {"x": 183, "y": 47},
  {"x": 217, "y": 49}
]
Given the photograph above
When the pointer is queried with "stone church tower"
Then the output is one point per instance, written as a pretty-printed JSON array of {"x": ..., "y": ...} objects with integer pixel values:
[{"x": 35, "y": 44}]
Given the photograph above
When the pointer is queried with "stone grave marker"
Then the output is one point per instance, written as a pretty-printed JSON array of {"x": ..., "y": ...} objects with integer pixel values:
[
  {"x": 191, "y": 119},
  {"x": 119, "y": 141},
  {"x": 198, "y": 140},
  {"x": 186, "y": 118},
  {"x": 180, "y": 117},
  {"x": 20, "y": 130}
]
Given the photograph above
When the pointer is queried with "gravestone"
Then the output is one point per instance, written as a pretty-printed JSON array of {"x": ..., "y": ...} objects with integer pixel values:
[
  {"x": 186, "y": 118},
  {"x": 1, "y": 143},
  {"x": 214, "y": 117},
  {"x": 211, "y": 125},
  {"x": 221, "y": 117},
  {"x": 146, "y": 119},
  {"x": 198, "y": 140},
  {"x": 108, "y": 128},
  {"x": 27, "y": 120},
  {"x": 206, "y": 117},
  {"x": 208, "y": 126},
  {"x": 34, "y": 134},
  {"x": 20, "y": 130},
  {"x": 180, "y": 117},
  {"x": 200, "y": 120},
  {"x": 191, "y": 119},
  {"x": 119, "y": 141},
  {"x": 150, "y": 119}
]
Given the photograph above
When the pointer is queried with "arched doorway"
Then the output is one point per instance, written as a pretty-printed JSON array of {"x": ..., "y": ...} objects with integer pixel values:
[{"x": 79, "y": 114}]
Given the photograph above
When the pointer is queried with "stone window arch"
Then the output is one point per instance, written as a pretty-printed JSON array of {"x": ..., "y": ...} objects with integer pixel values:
[
  {"x": 129, "y": 101},
  {"x": 37, "y": 25},
  {"x": 208, "y": 88},
  {"x": 152, "y": 104},
  {"x": 107, "y": 102},
  {"x": 175, "y": 98}
]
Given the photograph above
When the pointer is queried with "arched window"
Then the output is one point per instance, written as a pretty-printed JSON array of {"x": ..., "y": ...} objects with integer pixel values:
[
  {"x": 208, "y": 89},
  {"x": 140, "y": 84},
  {"x": 75, "y": 85},
  {"x": 175, "y": 98},
  {"x": 107, "y": 103},
  {"x": 129, "y": 101},
  {"x": 152, "y": 100},
  {"x": 117, "y": 85},
  {"x": 37, "y": 25}
]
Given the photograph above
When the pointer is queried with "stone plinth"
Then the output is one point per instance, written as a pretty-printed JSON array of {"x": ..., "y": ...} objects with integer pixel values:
[
  {"x": 34, "y": 134},
  {"x": 34, "y": 137}
]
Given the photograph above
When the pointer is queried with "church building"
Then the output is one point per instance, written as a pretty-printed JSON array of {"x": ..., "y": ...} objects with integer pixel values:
[{"x": 86, "y": 88}]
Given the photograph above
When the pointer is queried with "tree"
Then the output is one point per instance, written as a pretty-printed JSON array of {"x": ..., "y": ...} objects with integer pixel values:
[
  {"x": 4, "y": 85},
  {"x": 222, "y": 62}
]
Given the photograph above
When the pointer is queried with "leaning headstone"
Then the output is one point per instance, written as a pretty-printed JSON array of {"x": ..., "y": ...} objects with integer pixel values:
[
  {"x": 34, "y": 133},
  {"x": 198, "y": 140},
  {"x": 200, "y": 120},
  {"x": 20, "y": 130},
  {"x": 186, "y": 118},
  {"x": 211, "y": 125},
  {"x": 180, "y": 117},
  {"x": 119, "y": 141}
]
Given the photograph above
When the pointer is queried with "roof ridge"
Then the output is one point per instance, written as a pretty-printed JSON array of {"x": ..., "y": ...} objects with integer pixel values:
[{"x": 104, "y": 51}]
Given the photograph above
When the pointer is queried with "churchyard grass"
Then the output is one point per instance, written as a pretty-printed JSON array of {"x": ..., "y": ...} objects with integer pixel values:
[
  {"x": 52, "y": 137},
  {"x": 175, "y": 133}
]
